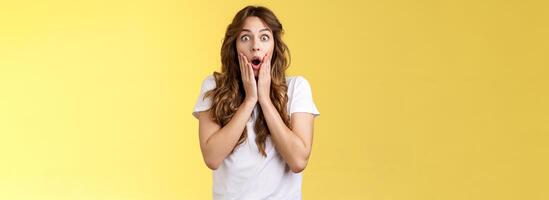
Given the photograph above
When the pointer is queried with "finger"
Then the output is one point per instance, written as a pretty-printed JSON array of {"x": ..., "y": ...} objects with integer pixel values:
[
  {"x": 242, "y": 66},
  {"x": 250, "y": 70},
  {"x": 265, "y": 68},
  {"x": 268, "y": 68},
  {"x": 240, "y": 63},
  {"x": 264, "y": 57},
  {"x": 248, "y": 67},
  {"x": 267, "y": 59},
  {"x": 267, "y": 62}
]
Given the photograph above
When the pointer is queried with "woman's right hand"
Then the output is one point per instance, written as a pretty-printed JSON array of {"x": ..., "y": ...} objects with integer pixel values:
[{"x": 248, "y": 78}]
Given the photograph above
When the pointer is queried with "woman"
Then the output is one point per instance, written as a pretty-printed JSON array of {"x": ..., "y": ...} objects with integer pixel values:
[{"x": 255, "y": 124}]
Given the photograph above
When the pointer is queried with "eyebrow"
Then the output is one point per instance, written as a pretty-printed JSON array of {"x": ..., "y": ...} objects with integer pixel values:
[{"x": 265, "y": 29}]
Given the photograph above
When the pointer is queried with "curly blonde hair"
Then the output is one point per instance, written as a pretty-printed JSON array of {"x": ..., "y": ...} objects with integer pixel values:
[{"x": 229, "y": 92}]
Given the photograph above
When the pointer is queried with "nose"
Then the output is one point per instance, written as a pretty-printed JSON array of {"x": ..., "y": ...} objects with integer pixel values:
[{"x": 255, "y": 46}]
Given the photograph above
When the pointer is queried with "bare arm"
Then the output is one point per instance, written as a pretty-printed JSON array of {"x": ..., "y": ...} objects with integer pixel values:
[
  {"x": 216, "y": 143},
  {"x": 293, "y": 145}
]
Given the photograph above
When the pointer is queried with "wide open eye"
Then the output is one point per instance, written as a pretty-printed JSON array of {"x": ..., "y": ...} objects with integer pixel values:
[
  {"x": 245, "y": 38},
  {"x": 265, "y": 37}
]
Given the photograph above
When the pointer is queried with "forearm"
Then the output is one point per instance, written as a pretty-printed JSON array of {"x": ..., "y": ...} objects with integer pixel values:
[
  {"x": 222, "y": 142},
  {"x": 290, "y": 146}
]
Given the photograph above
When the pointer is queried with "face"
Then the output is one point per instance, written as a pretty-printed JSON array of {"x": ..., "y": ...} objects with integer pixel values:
[{"x": 254, "y": 41}]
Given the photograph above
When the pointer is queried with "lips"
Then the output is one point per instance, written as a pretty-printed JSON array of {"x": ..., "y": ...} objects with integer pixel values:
[{"x": 256, "y": 62}]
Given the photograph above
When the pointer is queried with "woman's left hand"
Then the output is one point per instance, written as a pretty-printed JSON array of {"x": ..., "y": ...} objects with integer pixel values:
[{"x": 264, "y": 79}]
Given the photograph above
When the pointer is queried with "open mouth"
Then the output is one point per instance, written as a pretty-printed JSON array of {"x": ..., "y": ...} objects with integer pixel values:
[{"x": 256, "y": 62}]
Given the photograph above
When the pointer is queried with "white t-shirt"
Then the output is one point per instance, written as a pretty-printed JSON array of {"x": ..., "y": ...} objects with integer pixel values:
[{"x": 246, "y": 174}]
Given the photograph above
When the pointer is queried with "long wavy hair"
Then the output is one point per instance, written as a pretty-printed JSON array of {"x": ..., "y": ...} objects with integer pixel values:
[{"x": 229, "y": 92}]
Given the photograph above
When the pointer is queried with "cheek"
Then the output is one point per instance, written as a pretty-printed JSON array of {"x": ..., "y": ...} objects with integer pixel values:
[
  {"x": 242, "y": 46},
  {"x": 271, "y": 47},
  {"x": 239, "y": 47}
]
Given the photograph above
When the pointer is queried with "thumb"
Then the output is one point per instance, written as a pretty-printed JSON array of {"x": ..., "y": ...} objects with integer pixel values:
[{"x": 265, "y": 57}]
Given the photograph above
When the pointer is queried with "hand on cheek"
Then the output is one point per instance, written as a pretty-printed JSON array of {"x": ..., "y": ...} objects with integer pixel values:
[
  {"x": 264, "y": 78},
  {"x": 247, "y": 76}
]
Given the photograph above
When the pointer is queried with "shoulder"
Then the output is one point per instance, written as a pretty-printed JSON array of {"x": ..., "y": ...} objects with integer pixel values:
[
  {"x": 300, "y": 96},
  {"x": 208, "y": 83},
  {"x": 298, "y": 86},
  {"x": 210, "y": 79},
  {"x": 297, "y": 82}
]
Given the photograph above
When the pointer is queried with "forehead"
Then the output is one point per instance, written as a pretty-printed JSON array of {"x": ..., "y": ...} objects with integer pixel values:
[{"x": 254, "y": 24}]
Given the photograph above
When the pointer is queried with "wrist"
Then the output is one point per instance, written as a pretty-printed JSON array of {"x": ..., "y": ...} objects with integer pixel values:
[
  {"x": 264, "y": 100},
  {"x": 250, "y": 101}
]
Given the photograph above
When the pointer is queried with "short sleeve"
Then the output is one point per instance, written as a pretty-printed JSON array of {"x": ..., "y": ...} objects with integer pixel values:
[
  {"x": 301, "y": 99},
  {"x": 204, "y": 104}
]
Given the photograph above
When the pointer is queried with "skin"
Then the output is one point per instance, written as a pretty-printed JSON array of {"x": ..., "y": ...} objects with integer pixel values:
[{"x": 294, "y": 145}]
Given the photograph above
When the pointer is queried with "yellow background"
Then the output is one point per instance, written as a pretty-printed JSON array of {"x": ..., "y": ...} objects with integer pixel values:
[{"x": 418, "y": 99}]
